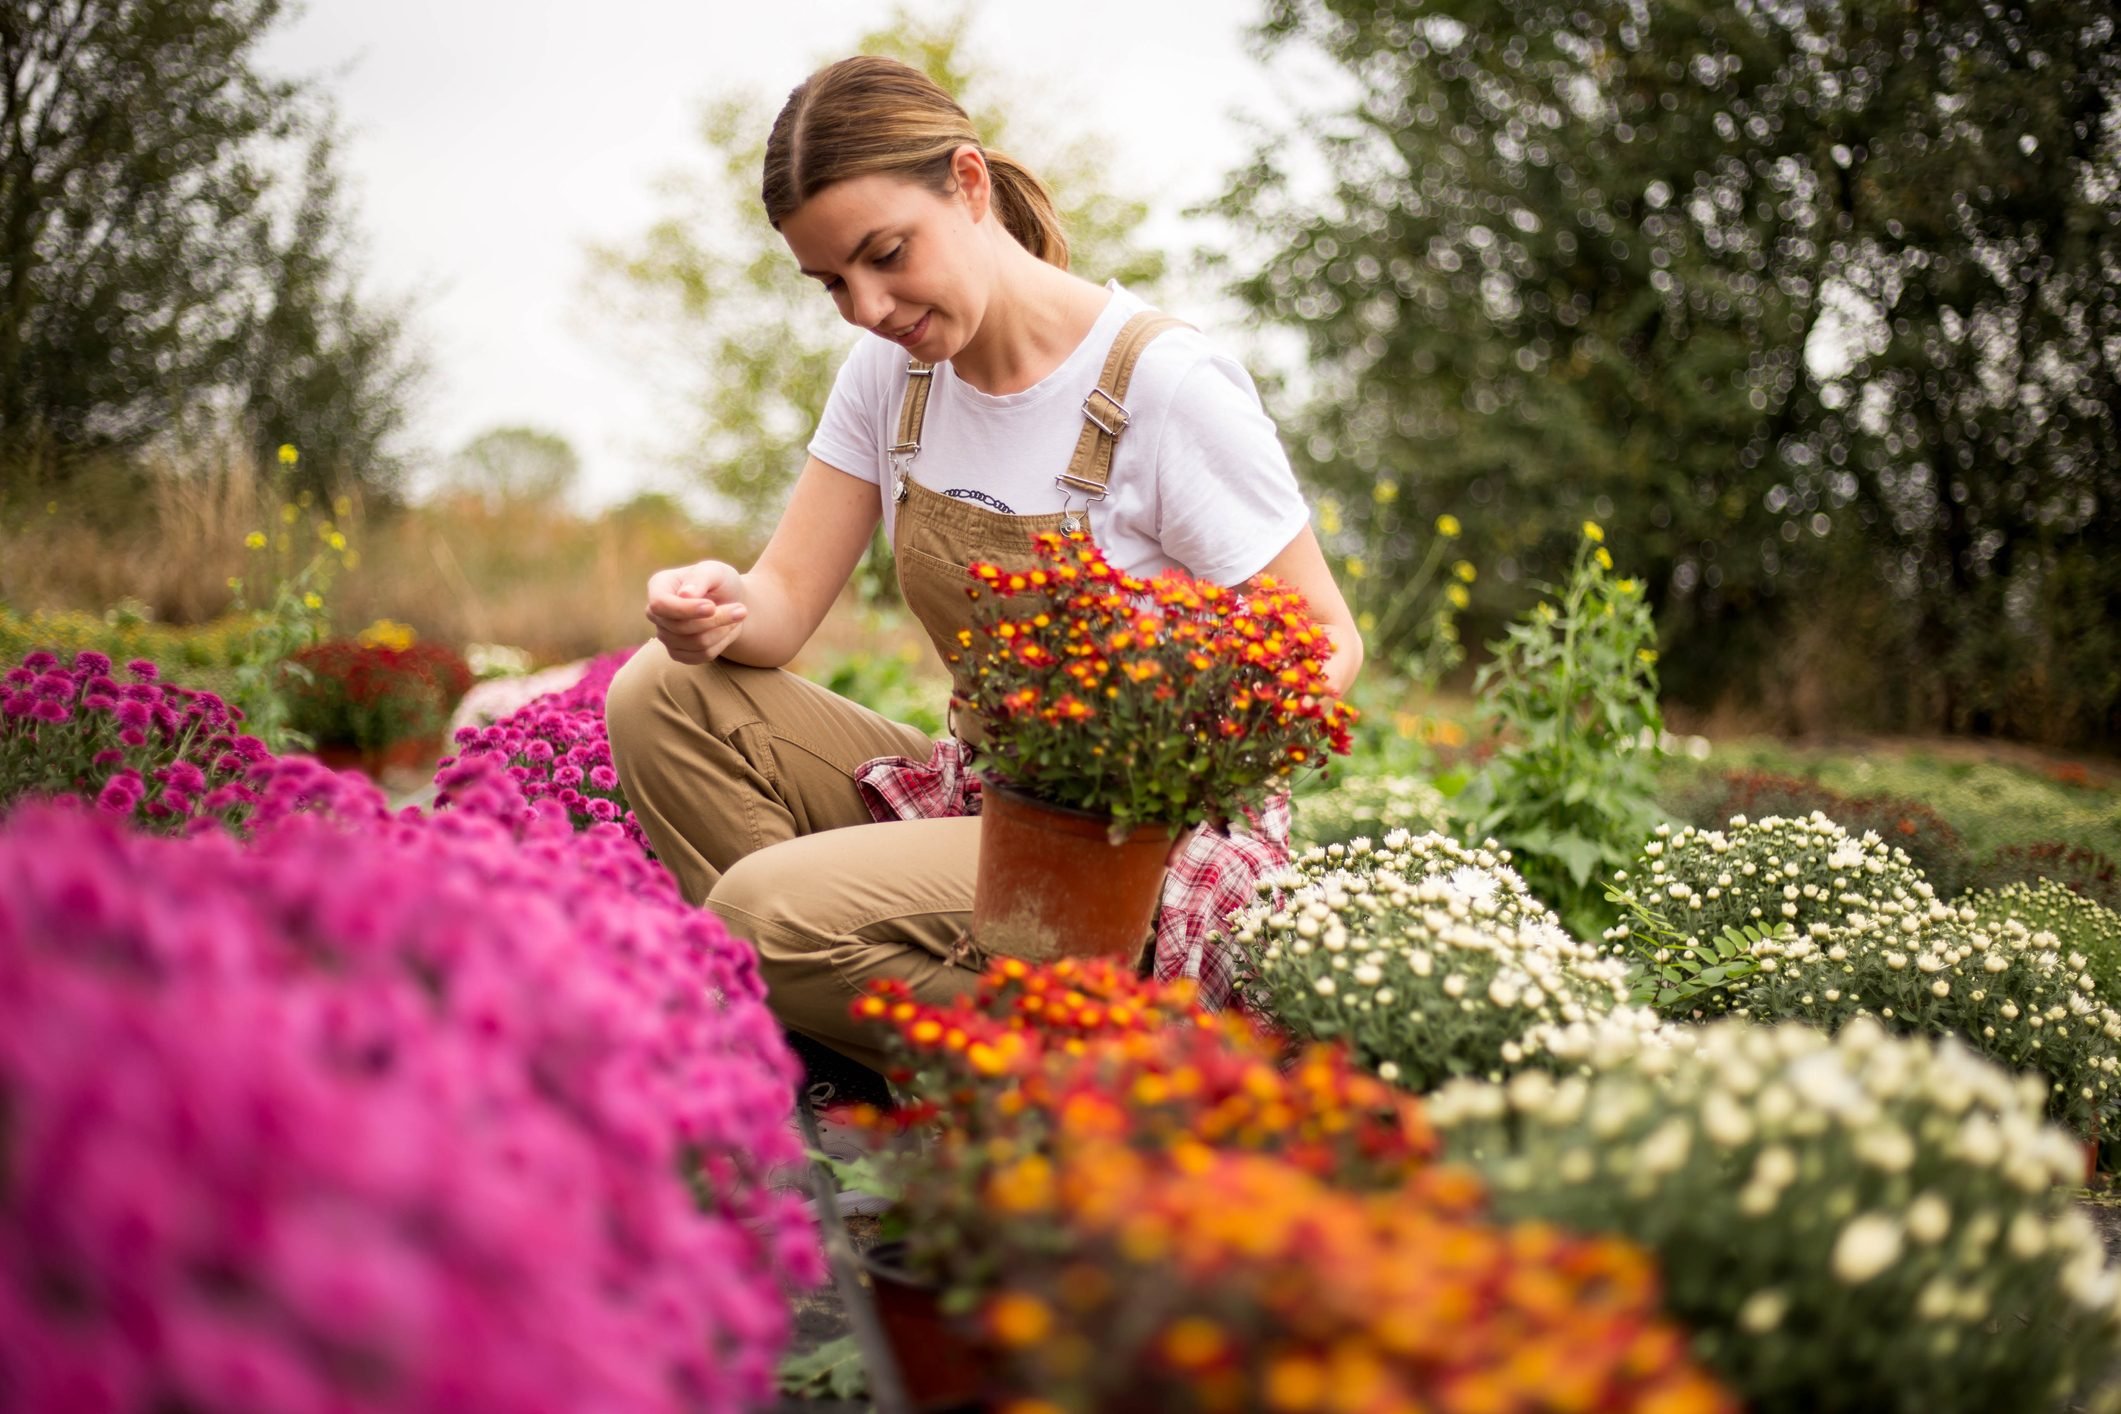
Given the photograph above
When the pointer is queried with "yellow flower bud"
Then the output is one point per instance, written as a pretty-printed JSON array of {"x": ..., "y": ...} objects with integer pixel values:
[
  {"x": 1385, "y": 492},
  {"x": 1605, "y": 558},
  {"x": 1458, "y": 596},
  {"x": 1592, "y": 532},
  {"x": 1448, "y": 527},
  {"x": 1356, "y": 568},
  {"x": 288, "y": 455},
  {"x": 311, "y": 601},
  {"x": 1465, "y": 571},
  {"x": 288, "y": 513},
  {"x": 254, "y": 541},
  {"x": 1647, "y": 655},
  {"x": 342, "y": 506}
]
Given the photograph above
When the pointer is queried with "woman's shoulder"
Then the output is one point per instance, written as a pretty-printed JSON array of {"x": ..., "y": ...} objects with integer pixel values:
[{"x": 1185, "y": 368}]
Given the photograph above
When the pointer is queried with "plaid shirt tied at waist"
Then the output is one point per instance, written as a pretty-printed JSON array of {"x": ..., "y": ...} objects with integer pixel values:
[{"x": 1216, "y": 874}]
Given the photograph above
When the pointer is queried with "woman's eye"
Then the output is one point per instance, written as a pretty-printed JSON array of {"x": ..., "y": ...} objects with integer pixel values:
[{"x": 891, "y": 257}]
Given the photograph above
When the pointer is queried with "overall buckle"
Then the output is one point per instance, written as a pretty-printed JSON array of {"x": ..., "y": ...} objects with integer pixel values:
[{"x": 1118, "y": 412}]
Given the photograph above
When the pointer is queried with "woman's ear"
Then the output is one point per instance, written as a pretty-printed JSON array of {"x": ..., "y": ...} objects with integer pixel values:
[{"x": 975, "y": 184}]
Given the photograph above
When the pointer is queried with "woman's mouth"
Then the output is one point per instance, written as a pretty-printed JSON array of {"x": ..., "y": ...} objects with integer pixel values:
[{"x": 911, "y": 334}]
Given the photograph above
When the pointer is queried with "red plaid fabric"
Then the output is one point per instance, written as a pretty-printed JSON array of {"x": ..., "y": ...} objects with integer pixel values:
[{"x": 1215, "y": 875}]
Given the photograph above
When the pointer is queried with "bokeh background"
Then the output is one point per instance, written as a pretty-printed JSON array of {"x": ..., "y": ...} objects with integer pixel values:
[{"x": 1816, "y": 310}]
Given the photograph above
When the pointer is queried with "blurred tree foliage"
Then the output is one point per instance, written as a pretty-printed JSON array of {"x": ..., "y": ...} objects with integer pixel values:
[
  {"x": 757, "y": 342},
  {"x": 174, "y": 246},
  {"x": 1817, "y": 306},
  {"x": 515, "y": 466}
]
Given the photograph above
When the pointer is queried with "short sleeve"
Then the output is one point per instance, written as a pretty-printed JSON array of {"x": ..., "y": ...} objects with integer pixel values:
[
  {"x": 1228, "y": 502},
  {"x": 850, "y": 434}
]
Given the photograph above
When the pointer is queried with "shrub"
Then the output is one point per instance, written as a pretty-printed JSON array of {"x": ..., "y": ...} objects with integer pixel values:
[
  {"x": 391, "y": 1118},
  {"x": 2014, "y": 995},
  {"x": 161, "y": 757},
  {"x": 1696, "y": 901},
  {"x": 1429, "y": 959},
  {"x": 1929, "y": 841},
  {"x": 1856, "y": 1224},
  {"x": 197, "y": 655},
  {"x": 2082, "y": 870},
  {"x": 1571, "y": 693},
  {"x": 371, "y": 695},
  {"x": 2078, "y": 924},
  {"x": 1369, "y": 807},
  {"x": 557, "y": 748}
]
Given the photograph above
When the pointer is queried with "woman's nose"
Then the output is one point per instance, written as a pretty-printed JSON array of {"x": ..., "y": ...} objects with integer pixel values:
[{"x": 867, "y": 305}]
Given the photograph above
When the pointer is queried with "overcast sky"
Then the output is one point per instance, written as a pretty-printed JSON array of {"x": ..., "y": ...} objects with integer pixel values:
[{"x": 491, "y": 141}]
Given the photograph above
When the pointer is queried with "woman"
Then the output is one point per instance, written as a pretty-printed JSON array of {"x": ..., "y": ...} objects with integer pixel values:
[{"x": 994, "y": 395}]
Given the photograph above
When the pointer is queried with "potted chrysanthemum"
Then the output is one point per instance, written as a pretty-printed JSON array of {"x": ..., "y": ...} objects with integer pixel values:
[{"x": 1114, "y": 712}]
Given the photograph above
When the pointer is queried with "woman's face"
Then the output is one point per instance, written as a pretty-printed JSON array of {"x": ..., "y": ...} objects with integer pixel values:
[{"x": 898, "y": 259}]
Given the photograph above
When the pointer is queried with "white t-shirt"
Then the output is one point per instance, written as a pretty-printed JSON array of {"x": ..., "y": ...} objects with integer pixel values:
[{"x": 1199, "y": 479}]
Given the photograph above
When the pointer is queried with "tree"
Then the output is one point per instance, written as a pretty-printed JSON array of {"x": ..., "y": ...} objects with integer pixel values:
[
  {"x": 172, "y": 243},
  {"x": 1815, "y": 304},
  {"x": 717, "y": 291},
  {"x": 515, "y": 465}
]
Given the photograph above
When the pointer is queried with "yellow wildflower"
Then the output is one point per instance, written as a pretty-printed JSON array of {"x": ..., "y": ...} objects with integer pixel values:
[
  {"x": 254, "y": 541},
  {"x": 1458, "y": 596},
  {"x": 1366, "y": 621},
  {"x": 1627, "y": 586},
  {"x": 288, "y": 513},
  {"x": 1448, "y": 527},
  {"x": 1593, "y": 532},
  {"x": 1356, "y": 568},
  {"x": 312, "y": 601},
  {"x": 342, "y": 506},
  {"x": 288, "y": 455},
  {"x": 1605, "y": 558},
  {"x": 1647, "y": 655},
  {"x": 1465, "y": 571},
  {"x": 1329, "y": 515},
  {"x": 336, "y": 541},
  {"x": 1386, "y": 492}
]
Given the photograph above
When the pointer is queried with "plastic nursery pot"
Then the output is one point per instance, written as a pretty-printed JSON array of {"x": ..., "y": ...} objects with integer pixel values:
[
  {"x": 943, "y": 1370},
  {"x": 1052, "y": 883}
]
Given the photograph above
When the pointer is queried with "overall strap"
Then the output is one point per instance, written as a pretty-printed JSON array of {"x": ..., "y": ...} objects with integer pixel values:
[
  {"x": 1105, "y": 409},
  {"x": 1104, "y": 412}
]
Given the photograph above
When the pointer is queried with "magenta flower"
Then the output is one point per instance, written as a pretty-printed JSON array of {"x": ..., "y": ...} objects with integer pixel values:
[{"x": 391, "y": 1113}]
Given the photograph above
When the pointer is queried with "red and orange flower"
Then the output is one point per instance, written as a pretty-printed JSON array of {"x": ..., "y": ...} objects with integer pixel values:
[{"x": 1163, "y": 701}]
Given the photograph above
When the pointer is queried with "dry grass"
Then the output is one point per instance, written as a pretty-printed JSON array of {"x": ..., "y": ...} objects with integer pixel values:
[{"x": 170, "y": 534}]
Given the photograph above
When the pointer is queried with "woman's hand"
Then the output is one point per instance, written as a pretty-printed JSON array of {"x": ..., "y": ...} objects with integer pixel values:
[{"x": 698, "y": 610}]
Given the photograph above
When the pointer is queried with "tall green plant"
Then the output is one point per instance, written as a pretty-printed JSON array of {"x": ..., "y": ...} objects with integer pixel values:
[
  {"x": 296, "y": 564},
  {"x": 1572, "y": 694}
]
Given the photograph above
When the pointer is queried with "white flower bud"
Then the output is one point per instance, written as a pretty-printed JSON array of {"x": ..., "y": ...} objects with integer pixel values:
[{"x": 1868, "y": 1244}]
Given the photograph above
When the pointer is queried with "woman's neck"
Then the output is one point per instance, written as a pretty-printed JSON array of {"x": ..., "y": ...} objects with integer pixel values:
[{"x": 1038, "y": 316}]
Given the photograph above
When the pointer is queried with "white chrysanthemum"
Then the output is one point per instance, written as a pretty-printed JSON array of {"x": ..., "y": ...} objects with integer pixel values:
[{"x": 1868, "y": 1244}]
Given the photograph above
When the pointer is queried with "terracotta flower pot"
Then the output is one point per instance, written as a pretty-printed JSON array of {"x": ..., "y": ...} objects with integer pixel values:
[
  {"x": 943, "y": 1370},
  {"x": 405, "y": 754},
  {"x": 1052, "y": 883}
]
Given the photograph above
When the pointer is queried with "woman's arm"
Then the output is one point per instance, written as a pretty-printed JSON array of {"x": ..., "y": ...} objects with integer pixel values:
[
  {"x": 765, "y": 615},
  {"x": 1303, "y": 564}
]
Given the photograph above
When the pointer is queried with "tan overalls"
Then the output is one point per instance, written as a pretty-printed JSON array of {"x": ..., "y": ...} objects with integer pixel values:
[{"x": 742, "y": 777}]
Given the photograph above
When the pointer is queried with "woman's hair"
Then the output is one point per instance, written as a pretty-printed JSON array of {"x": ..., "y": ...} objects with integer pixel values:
[{"x": 869, "y": 115}]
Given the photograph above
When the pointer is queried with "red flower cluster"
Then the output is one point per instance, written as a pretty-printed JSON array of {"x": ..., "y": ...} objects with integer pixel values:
[
  {"x": 344, "y": 693},
  {"x": 1170, "y": 700}
]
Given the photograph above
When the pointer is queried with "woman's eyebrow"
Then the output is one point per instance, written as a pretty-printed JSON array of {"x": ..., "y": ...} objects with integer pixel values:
[{"x": 852, "y": 256}]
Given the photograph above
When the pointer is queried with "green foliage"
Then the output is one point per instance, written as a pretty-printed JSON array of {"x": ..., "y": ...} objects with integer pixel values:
[
  {"x": 1813, "y": 304},
  {"x": 1990, "y": 803},
  {"x": 892, "y": 685},
  {"x": 712, "y": 284},
  {"x": 292, "y": 615},
  {"x": 1572, "y": 692},
  {"x": 1408, "y": 617},
  {"x": 198, "y": 655},
  {"x": 173, "y": 243},
  {"x": 1910, "y": 825},
  {"x": 829, "y": 1371},
  {"x": 515, "y": 464}
]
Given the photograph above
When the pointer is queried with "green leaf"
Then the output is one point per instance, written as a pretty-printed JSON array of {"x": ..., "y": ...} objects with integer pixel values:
[
  {"x": 833, "y": 1370},
  {"x": 1581, "y": 856}
]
